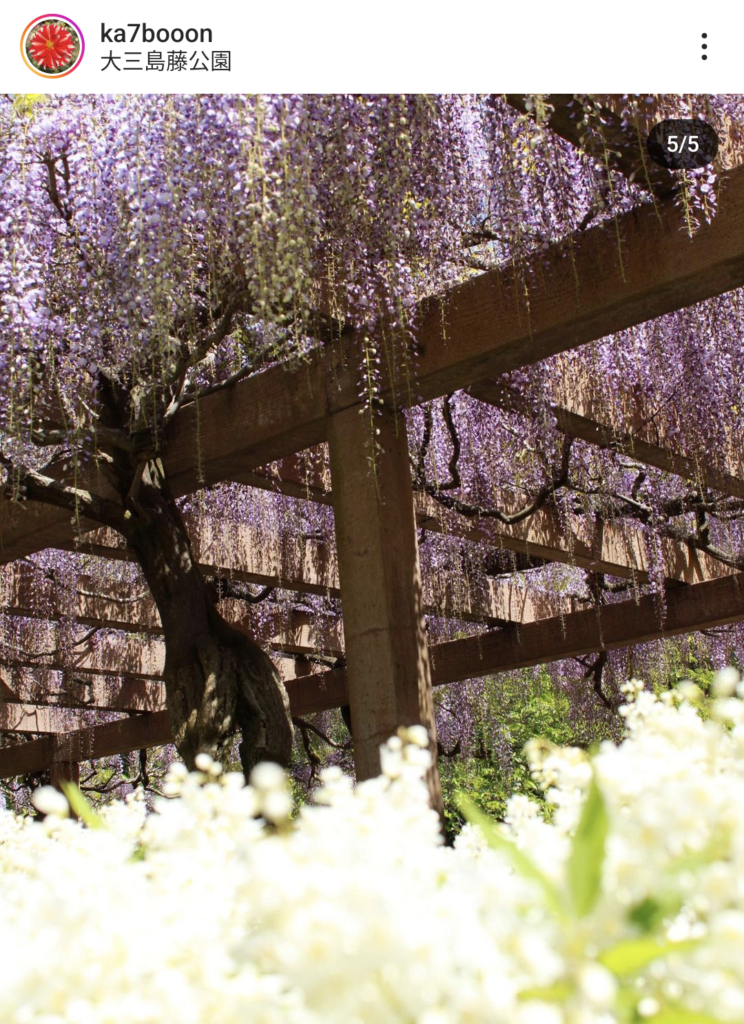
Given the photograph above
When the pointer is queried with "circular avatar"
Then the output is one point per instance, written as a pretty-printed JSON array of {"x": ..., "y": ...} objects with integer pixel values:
[{"x": 52, "y": 46}]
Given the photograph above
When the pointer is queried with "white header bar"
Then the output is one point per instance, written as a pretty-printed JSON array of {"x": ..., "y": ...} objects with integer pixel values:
[{"x": 391, "y": 45}]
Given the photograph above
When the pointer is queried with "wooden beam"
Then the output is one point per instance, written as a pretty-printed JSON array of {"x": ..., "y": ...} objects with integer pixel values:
[
  {"x": 304, "y": 475},
  {"x": 112, "y": 605},
  {"x": 97, "y": 691},
  {"x": 309, "y": 565},
  {"x": 135, "y": 733},
  {"x": 48, "y": 687},
  {"x": 688, "y": 609},
  {"x": 303, "y": 565},
  {"x": 615, "y": 548},
  {"x": 132, "y": 733},
  {"x": 29, "y": 757},
  {"x": 31, "y": 594},
  {"x": 469, "y": 600},
  {"x": 700, "y": 606},
  {"x": 55, "y": 645},
  {"x": 596, "y": 283},
  {"x": 640, "y": 435},
  {"x": 388, "y": 671},
  {"x": 590, "y": 286},
  {"x": 30, "y": 718},
  {"x": 489, "y": 600},
  {"x": 135, "y": 657},
  {"x": 615, "y": 551}
]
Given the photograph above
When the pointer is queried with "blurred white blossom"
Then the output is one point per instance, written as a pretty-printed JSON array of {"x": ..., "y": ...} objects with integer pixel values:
[
  {"x": 628, "y": 905},
  {"x": 49, "y": 800}
]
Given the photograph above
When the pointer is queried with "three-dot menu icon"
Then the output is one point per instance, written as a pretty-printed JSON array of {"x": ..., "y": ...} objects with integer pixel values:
[{"x": 705, "y": 45}]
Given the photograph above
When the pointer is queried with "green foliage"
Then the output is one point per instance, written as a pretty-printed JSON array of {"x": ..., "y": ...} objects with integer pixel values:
[
  {"x": 685, "y": 658},
  {"x": 678, "y": 1015},
  {"x": 25, "y": 104},
  {"x": 633, "y": 955},
  {"x": 584, "y": 866},
  {"x": 518, "y": 706},
  {"x": 483, "y": 781},
  {"x": 80, "y": 806},
  {"x": 649, "y": 914}
]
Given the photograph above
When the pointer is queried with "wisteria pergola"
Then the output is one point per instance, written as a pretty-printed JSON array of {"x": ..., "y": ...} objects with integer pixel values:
[{"x": 269, "y": 431}]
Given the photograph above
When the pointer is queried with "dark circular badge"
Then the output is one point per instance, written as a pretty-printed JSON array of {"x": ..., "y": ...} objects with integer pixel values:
[{"x": 682, "y": 144}]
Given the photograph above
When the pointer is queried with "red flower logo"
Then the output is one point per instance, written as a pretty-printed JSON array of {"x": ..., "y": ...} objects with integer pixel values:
[{"x": 51, "y": 47}]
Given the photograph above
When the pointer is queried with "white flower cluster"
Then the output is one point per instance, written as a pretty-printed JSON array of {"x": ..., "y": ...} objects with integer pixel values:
[{"x": 220, "y": 907}]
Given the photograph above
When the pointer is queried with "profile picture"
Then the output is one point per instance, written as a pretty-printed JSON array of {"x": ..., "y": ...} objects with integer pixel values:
[{"x": 52, "y": 46}]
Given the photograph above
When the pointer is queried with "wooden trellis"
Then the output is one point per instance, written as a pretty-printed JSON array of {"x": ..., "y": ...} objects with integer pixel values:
[{"x": 466, "y": 338}]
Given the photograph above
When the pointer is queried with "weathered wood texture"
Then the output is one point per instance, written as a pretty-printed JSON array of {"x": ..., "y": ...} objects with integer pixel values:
[
  {"x": 701, "y": 606},
  {"x": 615, "y": 548},
  {"x": 580, "y": 290},
  {"x": 135, "y": 733},
  {"x": 140, "y": 660},
  {"x": 307, "y": 567},
  {"x": 56, "y": 688},
  {"x": 388, "y": 671},
  {"x": 25, "y": 593},
  {"x": 581, "y": 413}
]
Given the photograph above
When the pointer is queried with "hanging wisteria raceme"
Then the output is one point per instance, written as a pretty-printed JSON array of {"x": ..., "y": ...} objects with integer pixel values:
[{"x": 130, "y": 222}]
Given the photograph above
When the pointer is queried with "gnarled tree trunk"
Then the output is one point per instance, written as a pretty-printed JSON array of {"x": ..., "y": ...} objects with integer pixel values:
[{"x": 217, "y": 680}]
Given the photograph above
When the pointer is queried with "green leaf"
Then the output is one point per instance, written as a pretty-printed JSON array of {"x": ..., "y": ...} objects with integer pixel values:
[
  {"x": 584, "y": 868},
  {"x": 631, "y": 955},
  {"x": 519, "y": 860},
  {"x": 560, "y": 992},
  {"x": 81, "y": 807},
  {"x": 650, "y": 913},
  {"x": 647, "y": 915},
  {"x": 680, "y": 1016}
]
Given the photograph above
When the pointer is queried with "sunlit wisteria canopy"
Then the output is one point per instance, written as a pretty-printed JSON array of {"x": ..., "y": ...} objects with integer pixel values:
[{"x": 159, "y": 253}]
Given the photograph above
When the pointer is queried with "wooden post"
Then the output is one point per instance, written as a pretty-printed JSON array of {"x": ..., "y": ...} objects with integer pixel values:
[
  {"x": 389, "y": 677},
  {"x": 64, "y": 771}
]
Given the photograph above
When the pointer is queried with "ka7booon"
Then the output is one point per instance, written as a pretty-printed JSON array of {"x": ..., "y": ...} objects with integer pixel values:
[{"x": 141, "y": 32}]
